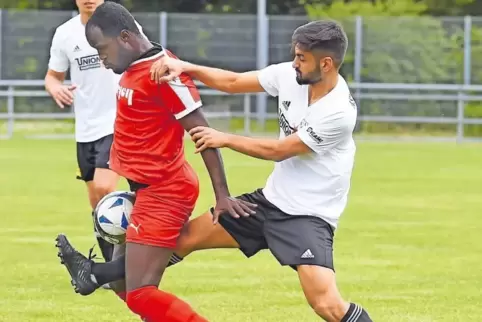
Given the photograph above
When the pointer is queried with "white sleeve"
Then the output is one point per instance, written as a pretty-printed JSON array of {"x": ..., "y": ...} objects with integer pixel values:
[
  {"x": 58, "y": 61},
  {"x": 327, "y": 133},
  {"x": 269, "y": 79},
  {"x": 182, "y": 95}
]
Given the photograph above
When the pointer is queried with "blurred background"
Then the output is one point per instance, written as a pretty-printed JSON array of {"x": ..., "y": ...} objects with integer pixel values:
[
  {"x": 408, "y": 245},
  {"x": 414, "y": 66}
]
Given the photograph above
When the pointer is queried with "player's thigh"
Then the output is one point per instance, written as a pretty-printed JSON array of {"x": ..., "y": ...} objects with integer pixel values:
[
  {"x": 85, "y": 161},
  {"x": 158, "y": 217},
  {"x": 300, "y": 240},
  {"x": 86, "y": 169},
  {"x": 155, "y": 224},
  {"x": 145, "y": 265},
  {"x": 248, "y": 231},
  {"x": 105, "y": 179},
  {"x": 200, "y": 233}
]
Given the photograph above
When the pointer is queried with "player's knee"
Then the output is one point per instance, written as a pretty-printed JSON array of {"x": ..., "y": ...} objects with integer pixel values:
[
  {"x": 102, "y": 189},
  {"x": 328, "y": 306},
  {"x": 187, "y": 242}
]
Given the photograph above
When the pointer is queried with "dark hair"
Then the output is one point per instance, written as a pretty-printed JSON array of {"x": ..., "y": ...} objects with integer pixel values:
[
  {"x": 323, "y": 35},
  {"x": 112, "y": 18}
]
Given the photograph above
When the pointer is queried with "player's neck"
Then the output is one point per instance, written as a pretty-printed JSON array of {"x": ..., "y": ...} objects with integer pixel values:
[
  {"x": 322, "y": 88},
  {"x": 84, "y": 17},
  {"x": 144, "y": 45}
]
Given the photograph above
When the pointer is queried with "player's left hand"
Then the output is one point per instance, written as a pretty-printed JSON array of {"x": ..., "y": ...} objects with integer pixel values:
[
  {"x": 236, "y": 208},
  {"x": 206, "y": 137}
]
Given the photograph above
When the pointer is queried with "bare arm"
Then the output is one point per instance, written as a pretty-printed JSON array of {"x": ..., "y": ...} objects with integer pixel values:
[
  {"x": 214, "y": 164},
  {"x": 168, "y": 68},
  {"x": 211, "y": 157},
  {"x": 268, "y": 149},
  {"x": 53, "y": 79},
  {"x": 224, "y": 80}
]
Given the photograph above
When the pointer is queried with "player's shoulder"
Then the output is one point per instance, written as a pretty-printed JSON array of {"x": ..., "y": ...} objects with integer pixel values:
[
  {"x": 340, "y": 98},
  {"x": 69, "y": 25},
  {"x": 280, "y": 69},
  {"x": 337, "y": 105}
]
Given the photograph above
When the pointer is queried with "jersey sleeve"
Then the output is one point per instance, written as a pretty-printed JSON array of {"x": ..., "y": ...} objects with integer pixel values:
[
  {"x": 58, "y": 60},
  {"x": 181, "y": 96},
  {"x": 325, "y": 134},
  {"x": 269, "y": 79}
]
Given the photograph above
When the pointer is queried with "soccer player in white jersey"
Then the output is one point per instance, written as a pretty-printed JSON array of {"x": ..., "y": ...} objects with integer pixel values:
[
  {"x": 93, "y": 93},
  {"x": 299, "y": 208}
]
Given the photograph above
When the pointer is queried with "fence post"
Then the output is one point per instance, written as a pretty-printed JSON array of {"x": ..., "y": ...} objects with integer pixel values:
[
  {"x": 467, "y": 77},
  {"x": 357, "y": 61},
  {"x": 247, "y": 114},
  {"x": 10, "y": 112},
  {"x": 163, "y": 29},
  {"x": 1, "y": 41},
  {"x": 262, "y": 51}
]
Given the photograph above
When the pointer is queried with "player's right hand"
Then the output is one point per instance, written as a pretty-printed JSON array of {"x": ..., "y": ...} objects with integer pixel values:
[
  {"x": 166, "y": 69},
  {"x": 63, "y": 95},
  {"x": 235, "y": 207}
]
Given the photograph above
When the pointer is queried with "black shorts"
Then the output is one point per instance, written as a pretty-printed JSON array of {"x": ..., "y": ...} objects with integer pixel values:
[
  {"x": 92, "y": 155},
  {"x": 292, "y": 239}
]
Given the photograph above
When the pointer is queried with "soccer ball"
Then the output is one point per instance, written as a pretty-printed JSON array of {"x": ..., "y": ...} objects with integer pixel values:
[{"x": 112, "y": 214}]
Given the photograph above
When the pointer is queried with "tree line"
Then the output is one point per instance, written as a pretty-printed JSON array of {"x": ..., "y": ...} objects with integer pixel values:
[{"x": 281, "y": 7}]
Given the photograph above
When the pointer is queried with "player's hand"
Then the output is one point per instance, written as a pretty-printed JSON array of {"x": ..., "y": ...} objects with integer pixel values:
[
  {"x": 166, "y": 69},
  {"x": 206, "y": 137},
  {"x": 236, "y": 208},
  {"x": 63, "y": 95}
]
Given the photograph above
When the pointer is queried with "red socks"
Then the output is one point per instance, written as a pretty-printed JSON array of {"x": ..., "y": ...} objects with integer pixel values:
[{"x": 157, "y": 306}]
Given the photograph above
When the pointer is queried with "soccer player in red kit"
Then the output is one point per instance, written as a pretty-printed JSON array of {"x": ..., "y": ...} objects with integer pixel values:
[{"x": 148, "y": 150}]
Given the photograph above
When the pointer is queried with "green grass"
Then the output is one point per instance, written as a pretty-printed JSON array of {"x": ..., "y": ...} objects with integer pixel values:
[{"x": 408, "y": 247}]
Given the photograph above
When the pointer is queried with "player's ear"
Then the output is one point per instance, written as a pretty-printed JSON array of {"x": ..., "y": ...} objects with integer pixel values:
[
  {"x": 124, "y": 35},
  {"x": 326, "y": 64}
]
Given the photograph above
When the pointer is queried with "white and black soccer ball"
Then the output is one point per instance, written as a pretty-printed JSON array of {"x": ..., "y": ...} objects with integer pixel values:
[{"x": 112, "y": 216}]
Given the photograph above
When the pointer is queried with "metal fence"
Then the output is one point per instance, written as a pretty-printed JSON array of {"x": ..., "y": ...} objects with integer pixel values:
[{"x": 423, "y": 72}]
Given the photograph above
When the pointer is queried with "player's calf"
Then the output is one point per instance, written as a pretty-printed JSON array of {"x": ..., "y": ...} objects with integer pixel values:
[{"x": 319, "y": 287}]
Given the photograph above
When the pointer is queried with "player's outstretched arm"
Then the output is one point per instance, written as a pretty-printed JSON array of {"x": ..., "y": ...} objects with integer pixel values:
[
  {"x": 312, "y": 136},
  {"x": 168, "y": 68},
  {"x": 266, "y": 149},
  {"x": 214, "y": 164}
]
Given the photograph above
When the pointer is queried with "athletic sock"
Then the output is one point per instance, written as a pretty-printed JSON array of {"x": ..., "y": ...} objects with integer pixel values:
[
  {"x": 115, "y": 270},
  {"x": 175, "y": 259},
  {"x": 356, "y": 314},
  {"x": 109, "y": 272},
  {"x": 158, "y": 306},
  {"x": 106, "y": 248}
]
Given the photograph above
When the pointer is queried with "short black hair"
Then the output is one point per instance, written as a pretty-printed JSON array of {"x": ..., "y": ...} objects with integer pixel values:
[
  {"x": 112, "y": 18},
  {"x": 323, "y": 35}
]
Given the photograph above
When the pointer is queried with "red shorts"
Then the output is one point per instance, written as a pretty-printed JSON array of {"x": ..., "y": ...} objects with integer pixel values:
[{"x": 160, "y": 212}]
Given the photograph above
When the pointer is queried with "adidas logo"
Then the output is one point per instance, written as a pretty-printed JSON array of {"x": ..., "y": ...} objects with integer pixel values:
[
  {"x": 308, "y": 254},
  {"x": 286, "y": 104},
  {"x": 76, "y": 49}
]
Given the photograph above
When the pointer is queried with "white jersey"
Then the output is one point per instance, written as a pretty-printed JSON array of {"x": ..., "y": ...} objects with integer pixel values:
[
  {"x": 316, "y": 184},
  {"x": 95, "y": 95}
]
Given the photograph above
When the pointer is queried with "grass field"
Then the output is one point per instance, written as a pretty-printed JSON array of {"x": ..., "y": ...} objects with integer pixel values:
[{"x": 408, "y": 248}]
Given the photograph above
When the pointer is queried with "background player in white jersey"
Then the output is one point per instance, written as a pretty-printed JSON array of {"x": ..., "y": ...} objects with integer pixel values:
[
  {"x": 93, "y": 92},
  {"x": 299, "y": 208}
]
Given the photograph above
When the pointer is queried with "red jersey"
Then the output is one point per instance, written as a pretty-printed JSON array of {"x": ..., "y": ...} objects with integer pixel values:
[{"x": 148, "y": 145}]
